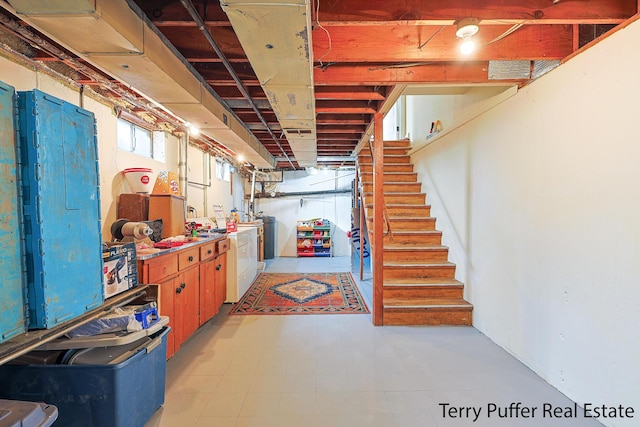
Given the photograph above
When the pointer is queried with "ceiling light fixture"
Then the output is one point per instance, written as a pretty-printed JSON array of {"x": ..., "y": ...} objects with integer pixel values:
[{"x": 467, "y": 28}]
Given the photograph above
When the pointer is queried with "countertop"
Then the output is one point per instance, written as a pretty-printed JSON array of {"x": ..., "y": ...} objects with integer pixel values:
[{"x": 144, "y": 255}]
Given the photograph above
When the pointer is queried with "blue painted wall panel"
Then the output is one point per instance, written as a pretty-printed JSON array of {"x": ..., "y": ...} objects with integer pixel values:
[
  {"x": 12, "y": 303},
  {"x": 60, "y": 187}
]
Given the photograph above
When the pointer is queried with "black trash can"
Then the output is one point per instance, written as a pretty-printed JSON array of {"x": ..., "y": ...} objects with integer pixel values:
[{"x": 269, "y": 236}]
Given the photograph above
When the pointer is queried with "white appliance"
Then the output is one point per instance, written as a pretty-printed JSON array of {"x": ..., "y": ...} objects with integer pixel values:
[{"x": 242, "y": 261}]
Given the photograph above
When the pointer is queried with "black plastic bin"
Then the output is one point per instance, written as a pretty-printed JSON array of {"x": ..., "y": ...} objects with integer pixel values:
[{"x": 269, "y": 236}]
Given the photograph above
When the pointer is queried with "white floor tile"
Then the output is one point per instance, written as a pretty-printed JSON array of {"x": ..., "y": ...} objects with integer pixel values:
[{"x": 340, "y": 370}]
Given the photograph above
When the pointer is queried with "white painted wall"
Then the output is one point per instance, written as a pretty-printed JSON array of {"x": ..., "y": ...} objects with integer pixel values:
[
  {"x": 288, "y": 210},
  {"x": 539, "y": 200}
]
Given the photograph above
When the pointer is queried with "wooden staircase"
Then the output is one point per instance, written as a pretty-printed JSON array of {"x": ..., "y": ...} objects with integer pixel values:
[{"x": 419, "y": 285}]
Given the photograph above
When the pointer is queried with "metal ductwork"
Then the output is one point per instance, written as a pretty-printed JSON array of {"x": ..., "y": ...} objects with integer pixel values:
[
  {"x": 116, "y": 37},
  {"x": 276, "y": 37}
]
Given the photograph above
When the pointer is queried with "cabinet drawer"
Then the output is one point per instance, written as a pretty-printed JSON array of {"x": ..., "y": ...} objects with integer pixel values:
[
  {"x": 207, "y": 251},
  {"x": 188, "y": 258},
  {"x": 162, "y": 267},
  {"x": 222, "y": 246}
]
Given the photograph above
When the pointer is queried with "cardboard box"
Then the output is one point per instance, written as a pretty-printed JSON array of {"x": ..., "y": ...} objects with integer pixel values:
[{"x": 120, "y": 268}]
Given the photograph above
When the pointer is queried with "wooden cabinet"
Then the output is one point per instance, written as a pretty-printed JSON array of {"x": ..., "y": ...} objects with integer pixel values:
[
  {"x": 186, "y": 308},
  {"x": 189, "y": 285},
  {"x": 221, "y": 277},
  {"x": 213, "y": 281},
  {"x": 208, "y": 305}
]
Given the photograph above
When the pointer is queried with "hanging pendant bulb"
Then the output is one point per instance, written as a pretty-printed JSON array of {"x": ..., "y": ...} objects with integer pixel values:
[
  {"x": 466, "y": 29},
  {"x": 467, "y": 46}
]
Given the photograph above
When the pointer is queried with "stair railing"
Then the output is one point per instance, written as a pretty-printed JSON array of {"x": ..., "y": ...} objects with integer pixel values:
[
  {"x": 379, "y": 208},
  {"x": 385, "y": 215}
]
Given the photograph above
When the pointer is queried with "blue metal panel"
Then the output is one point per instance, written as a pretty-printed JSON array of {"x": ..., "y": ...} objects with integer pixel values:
[
  {"x": 61, "y": 200},
  {"x": 12, "y": 311}
]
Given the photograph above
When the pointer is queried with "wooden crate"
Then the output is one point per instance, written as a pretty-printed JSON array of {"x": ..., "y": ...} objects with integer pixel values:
[{"x": 171, "y": 209}]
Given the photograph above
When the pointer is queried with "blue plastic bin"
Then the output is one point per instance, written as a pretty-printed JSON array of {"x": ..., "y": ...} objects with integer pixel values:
[
  {"x": 125, "y": 394},
  {"x": 12, "y": 303},
  {"x": 61, "y": 205}
]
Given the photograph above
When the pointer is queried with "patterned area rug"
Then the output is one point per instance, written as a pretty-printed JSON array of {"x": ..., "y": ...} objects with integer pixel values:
[{"x": 293, "y": 293}]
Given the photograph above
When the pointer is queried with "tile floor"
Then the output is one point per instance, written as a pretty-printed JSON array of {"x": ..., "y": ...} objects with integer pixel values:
[{"x": 339, "y": 370}]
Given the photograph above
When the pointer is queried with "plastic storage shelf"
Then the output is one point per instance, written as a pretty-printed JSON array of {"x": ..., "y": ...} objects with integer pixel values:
[
  {"x": 314, "y": 238},
  {"x": 61, "y": 198},
  {"x": 12, "y": 303},
  {"x": 121, "y": 394}
]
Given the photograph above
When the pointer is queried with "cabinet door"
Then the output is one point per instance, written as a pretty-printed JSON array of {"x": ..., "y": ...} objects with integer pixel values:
[
  {"x": 165, "y": 298},
  {"x": 208, "y": 306},
  {"x": 220, "y": 280},
  {"x": 186, "y": 306}
]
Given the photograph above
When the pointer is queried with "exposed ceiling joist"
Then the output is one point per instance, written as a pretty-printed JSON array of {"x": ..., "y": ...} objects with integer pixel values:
[{"x": 360, "y": 55}]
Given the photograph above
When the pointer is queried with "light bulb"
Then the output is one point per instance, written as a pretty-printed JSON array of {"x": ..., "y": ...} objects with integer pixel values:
[{"x": 467, "y": 46}]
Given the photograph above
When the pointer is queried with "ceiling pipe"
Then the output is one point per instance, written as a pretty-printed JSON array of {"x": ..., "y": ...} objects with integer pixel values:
[
  {"x": 28, "y": 36},
  {"x": 203, "y": 29}
]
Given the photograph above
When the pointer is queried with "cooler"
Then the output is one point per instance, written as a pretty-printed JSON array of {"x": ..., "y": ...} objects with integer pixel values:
[
  {"x": 61, "y": 199},
  {"x": 103, "y": 386}
]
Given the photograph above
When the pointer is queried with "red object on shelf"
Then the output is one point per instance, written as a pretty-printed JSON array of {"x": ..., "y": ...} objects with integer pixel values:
[{"x": 167, "y": 245}]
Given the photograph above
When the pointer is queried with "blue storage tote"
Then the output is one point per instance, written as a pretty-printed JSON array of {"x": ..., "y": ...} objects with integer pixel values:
[
  {"x": 122, "y": 394},
  {"x": 61, "y": 205},
  {"x": 12, "y": 303}
]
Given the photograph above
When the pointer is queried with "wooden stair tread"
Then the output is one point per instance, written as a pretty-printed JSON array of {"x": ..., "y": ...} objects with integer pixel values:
[
  {"x": 409, "y": 218},
  {"x": 369, "y": 164},
  {"x": 391, "y": 247},
  {"x": 402, "y": 282},
  {"x": 392, "y": 173},
  {"x": 442, "y": 303},
  {"x": 396, "y": 193},
  {"x": 397, "y": 205},
  {"x": 396, "y": 182},
  {"x": 418, "y": 263},
  {"x": 412, "y": 232}
]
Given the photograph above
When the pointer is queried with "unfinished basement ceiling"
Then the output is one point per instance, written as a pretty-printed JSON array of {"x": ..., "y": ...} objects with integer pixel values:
[{"x": 249, "y": 57}]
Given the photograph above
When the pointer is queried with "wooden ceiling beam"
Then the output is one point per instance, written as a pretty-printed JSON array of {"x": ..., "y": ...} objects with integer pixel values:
[
  {"x": 434, "y": 73},
  {"x": 229, "y": 82},
  {"x": 349, "y": 93},
  {"x": 337, "y": 137},
  {"x": 232, "y": 92},
  {"x": 345, "y": 110},
  {"x": 445, "y": 12},
  {"x": 336, "y": 129},
  {"x": 337, "y": 119},
  {"x": 407, "y": 44}
]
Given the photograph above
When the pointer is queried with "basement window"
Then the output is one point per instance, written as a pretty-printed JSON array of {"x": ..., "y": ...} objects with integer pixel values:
[
  {"x": 223, "y": 170},
  {"x": 138, "y": 140}
]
